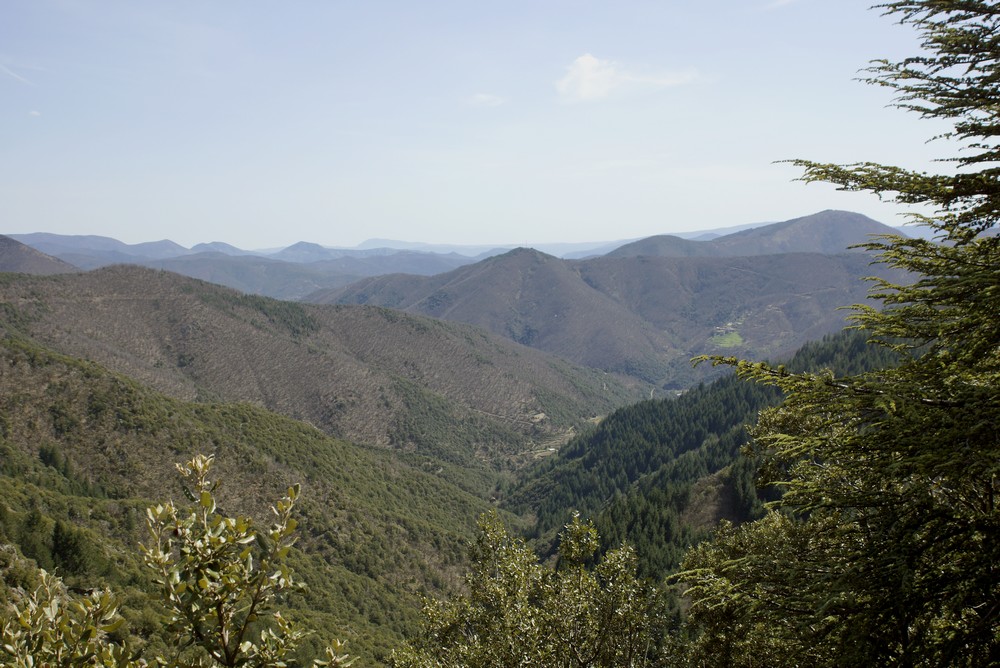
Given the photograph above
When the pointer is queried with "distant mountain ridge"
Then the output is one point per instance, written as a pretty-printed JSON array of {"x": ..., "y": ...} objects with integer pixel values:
[
  {"x": 219, "y": 247},
  {"x": 647, "y": 310},
  {"x": 289, "y": 273},
  {"x": 306, "y": 267},
  {"x": 97, "y": 251},
  {"x": 20, "y": 258},
  {"x": 827, "y": 232}
]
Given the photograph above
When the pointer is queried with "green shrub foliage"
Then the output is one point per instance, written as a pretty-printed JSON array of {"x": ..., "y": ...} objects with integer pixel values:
[
  {"x": 520, "y": 612},
  {"x": 50, "y": 627},
  {"x": 220, "y": 580}
]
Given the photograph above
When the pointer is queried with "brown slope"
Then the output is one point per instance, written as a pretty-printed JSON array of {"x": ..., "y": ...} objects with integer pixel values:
[
  {"x": 642, "y": 316},
  {"x": 664, "y": 245},
  {"x": 367, "y": 374},
  {"x": 532, "y": 298},
  {"x": 18, "y": 258},
  {"x": 774, "y": 303},
  {"x": 828, "y": 232}
]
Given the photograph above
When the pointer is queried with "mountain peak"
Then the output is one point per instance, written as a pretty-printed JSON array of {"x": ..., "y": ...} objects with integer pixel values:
[
  {"x": 829, "y": 232},
  {"x": 218, "y": 247},
  {"x": 522, "y": 252},
  {"x": 305, "y": 246},
  {"x": 304, "y": 251}
]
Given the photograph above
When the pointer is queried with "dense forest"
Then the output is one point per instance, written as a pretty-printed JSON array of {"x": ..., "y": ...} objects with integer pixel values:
[
  {"x": 874, "y": 542},
  {"x": 633, "y": 474}
]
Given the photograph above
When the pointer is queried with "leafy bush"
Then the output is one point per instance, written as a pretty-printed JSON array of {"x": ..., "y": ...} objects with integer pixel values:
[{"x": 219, "y": 576}]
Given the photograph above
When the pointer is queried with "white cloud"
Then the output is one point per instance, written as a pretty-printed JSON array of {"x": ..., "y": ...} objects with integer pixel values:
[
  {"x": 34, "y": 114},
  {"x": 590, "y": 78},
  {"x": 485, "y": 100},
  {"x": 776, "y": 4},
  {"x": 14, "y": 75}
]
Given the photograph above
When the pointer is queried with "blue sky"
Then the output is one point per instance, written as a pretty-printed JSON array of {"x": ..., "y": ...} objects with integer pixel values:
[{"x": 264, "y": 123}]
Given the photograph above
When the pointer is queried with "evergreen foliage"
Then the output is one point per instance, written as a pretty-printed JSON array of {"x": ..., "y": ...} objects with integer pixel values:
[
  {"x": 883, "y": 549},
  {"x": 220, "y": 576},
  {"x": 50, "y": 627},
  {"x": 634, "y": 472}
]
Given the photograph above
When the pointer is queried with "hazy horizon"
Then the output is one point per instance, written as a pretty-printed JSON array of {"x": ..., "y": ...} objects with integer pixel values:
[{"x": 443, "y": 122}]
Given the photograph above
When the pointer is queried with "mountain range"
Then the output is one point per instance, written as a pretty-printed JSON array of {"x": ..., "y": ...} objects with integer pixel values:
[
  {"x": 288, "y": 273},
  {"x": 641, "y": 310},
  {"x": 305, "y": 267},
  {"x": 495, "y": 383},
  {"x": 648, "y": 307}
]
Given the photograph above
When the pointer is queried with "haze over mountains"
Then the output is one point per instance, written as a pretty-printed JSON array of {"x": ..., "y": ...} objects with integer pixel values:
[
  {"x": 648, "y": 307},
  {"x": 642, "y": 310},
  {"x": 826, "y": 232},
  {"x": 288, "y": 273},
  {"x": 303, "y": 268},
  {"x": 19, "y": 258}
]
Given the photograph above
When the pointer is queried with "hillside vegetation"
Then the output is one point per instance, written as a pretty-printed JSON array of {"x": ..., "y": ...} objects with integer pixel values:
[
  {"x": 880, "y": 549},
  {"x": 370, "y": 375},
  {"x": 879, "y": 449},
  {"x": 85, "y": 451},
  {"x": 660, "y": 474}
]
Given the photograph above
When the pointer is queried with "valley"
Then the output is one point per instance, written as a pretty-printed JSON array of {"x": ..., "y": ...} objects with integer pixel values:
[
  {"x": 763, "y": 444},
  {"x": 407, "y": 406}
]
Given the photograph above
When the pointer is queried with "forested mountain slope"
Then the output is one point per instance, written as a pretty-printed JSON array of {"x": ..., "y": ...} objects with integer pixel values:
[
  {"x": 659, "y": 474},
  {"x": 84, "y": 451},
  {"x": 371, "y": 375}
]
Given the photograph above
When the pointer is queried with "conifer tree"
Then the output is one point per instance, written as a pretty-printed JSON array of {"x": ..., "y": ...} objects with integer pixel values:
[{"x": 883, "y": 549}]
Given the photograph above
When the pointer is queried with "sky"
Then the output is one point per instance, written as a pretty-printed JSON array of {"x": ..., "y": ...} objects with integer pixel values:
[{"x": 262, "y": 124}]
